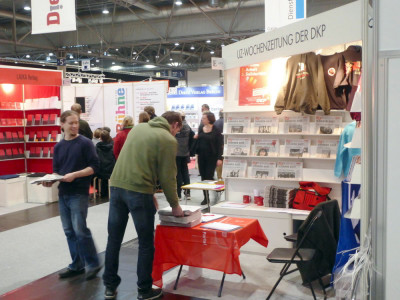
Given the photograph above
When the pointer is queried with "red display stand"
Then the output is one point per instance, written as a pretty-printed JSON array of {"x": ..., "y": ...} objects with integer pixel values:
[{"x": 29, "y": 107}]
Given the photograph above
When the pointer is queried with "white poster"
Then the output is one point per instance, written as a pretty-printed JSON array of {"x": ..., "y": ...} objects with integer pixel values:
[
  {"x": 53, "y": 16},
  {"x": 117, "y": 105},
  {"x": 280, "y": 13},
  {"x": 93, "y": 104},
  {"x": 149, "y": 93}
]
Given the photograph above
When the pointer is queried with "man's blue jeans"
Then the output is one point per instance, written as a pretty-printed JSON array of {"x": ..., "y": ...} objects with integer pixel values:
[
  {"x": 73, "y": 213},
  {"x": 142, "y": 208}
]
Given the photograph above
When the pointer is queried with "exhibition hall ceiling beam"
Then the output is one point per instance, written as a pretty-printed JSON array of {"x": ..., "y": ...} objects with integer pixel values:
[
  {"x": 169, "y": 20},
  {"x": 208, "y": 17},
  {"x": 234, "y": 17},
  {"x": 142, "y": 5}
]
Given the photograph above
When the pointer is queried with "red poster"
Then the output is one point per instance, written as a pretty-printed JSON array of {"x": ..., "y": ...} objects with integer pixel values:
[{"x": 253, "y": 85}]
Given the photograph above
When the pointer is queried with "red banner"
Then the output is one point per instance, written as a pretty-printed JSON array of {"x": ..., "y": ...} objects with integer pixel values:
[
  {"x": 253, "y": 85},
  {"x": 30, "y": 76}
]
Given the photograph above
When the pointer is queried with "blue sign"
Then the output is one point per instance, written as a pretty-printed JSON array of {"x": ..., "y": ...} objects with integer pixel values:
[
  {"x": 61, "y": 62},
  {"x": 178, "y": 73},
  {"x": 196, "y": 92}
]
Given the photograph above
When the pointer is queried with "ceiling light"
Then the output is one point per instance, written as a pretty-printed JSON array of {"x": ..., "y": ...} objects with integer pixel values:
[
  {"x": 192, "y": 48},
  {"x": 97, "y": 60},
  {"x": 108, "y": 54},
  {"x": 170, "y": 59},
  {"x": 116, "y": 68},
  {"x": 92, "y": 65},
  {"x": 208, "y": 41},
  {"x": 27, "y": 7},
  {"x": 28, "y": 56},
  {"x": 147, "y": 60},
  {"x": 157, "y": 56},
  {"x": 176, "y": 44},
  {"x": 178, "y": 2},
  {"x": 212, "y": 52},
  {"x": 134, "y": 52},
  {"x": 15, "y": 62},
  {"x": 51, "y": 54},
  {"x": 150, "y": 66},
  {"x": 116, "y": 49},
  {"x": 43, "y": 65},
  {"x": 95, "y": 69},
  {"x": 48, "y": 58},
  {"x": 222, "y": 45},
  {"x": 113, "y": 63},
  {"x": 89, "y": 51},
  {"x": 75, "y": 62},
  {"x": 105, "y": 11},
  {"x": 71, "y": 56}
]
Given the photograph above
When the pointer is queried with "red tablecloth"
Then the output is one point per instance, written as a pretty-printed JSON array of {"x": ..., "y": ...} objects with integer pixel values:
[{"x": 204, "y": 248}]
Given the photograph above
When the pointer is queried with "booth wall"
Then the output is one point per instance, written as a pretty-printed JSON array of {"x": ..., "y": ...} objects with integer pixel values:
[{"x": 203, "y": 77}]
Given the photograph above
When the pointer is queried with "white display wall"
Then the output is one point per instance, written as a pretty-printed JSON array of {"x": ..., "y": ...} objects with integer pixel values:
[{"x": 190, "y": 100}]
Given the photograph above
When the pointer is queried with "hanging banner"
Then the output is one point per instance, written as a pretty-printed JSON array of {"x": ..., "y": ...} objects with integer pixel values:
[
  {"x": 149, "y": 94},
  {"x": 53, "y": 16},
  {"x": 85, "y": 64},
  {"x": 280, "y": 13},
  {"x": 117, "y": 105}
]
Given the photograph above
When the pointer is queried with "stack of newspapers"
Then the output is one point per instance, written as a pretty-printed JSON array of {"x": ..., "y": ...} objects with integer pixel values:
[{"x": 192, "y": 216}]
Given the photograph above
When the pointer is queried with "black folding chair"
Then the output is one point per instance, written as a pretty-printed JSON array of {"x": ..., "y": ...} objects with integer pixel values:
[{"x": 289, "y": 256}]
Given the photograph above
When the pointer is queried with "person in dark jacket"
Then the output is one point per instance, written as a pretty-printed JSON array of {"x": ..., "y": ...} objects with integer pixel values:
[
  {"x": 219, "y": 124},
  {"x": 184, "y": 138},
  {"x": 104, "y": 150},
  {"x": 84, "y": 128}
]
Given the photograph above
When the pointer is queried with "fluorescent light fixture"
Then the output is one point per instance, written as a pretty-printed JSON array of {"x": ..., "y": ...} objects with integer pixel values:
[
  {"x": 212, "y": 52},
  {"x": 170, "y": 59},
  {"x": 48, "y": 58},
  {"x": 116, "y": 49},
  {"x": 222, "y": 45},
  {"x": 51, "y": 54},
  {"x": 97, "y": 60},
  {"x": 208, "y": 41},
  {"x": 113, "y": 63},
  {"x": 176, "y": 44},
  {"x": 71, "y": 56},
  {"x": 28, "y": 56},
  {"x": 150, "y": 66},
  {"x": 27, "y": 7},
  {"x": 116, "y": 68},
  {"x": 157, "y": 56},
  {"x": 95, "y": 69},
  {"x": 178, "y": 2},
  {"x": 192, "y": 48},
  {"x": 134, "y": 52},
  {"x": 147, "y": 60},
  {"x": 105, "y": 11},
  {"x": 89, "y": 51},
  {"x": 75, "y": 62}
]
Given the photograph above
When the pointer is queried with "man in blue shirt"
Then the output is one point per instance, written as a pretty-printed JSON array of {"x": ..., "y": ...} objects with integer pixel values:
[{"x": 75, "y": 158}]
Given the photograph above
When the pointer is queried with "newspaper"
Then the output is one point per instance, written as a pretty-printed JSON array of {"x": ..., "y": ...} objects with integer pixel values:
[
  {"x": 326, "y": 148},
  {"x": 238, "y": 146},
  {"x": 266, "y": 147},
  {"x": 234, "y": 168},
  {"x": 265, "y": 125},
  {"x": 297, "y": 148},
  {"x": 289, "y": 170},
  {"x": 297, "y": 124},
  {"x": 48, "y": 178},
  {"x": 263, "y": 169},
  {"x": 238, "y": 124},
  {"x": 328, "y": 124}
]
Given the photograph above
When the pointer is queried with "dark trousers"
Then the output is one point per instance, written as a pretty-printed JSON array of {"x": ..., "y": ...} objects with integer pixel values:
[
  {"x": 207, "y": 165},
  {"x": 142, "y": 209},
  {"x": 182, "y": 176}
]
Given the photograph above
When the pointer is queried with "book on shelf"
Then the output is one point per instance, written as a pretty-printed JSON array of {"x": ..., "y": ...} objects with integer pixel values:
[
  {"x": 31, "y": 136},
  {"x": 8, "y": 136},
  {"x": 328, "y": 124},
  {"x": 38, "y": 119},
  {"x": 53, "y": 135},
  {"x": 19, "y": 122},
  {"x": 2, "y": 137},
  {"x": 296, "y": 124},
  {"x": 297, "y": 147},
  {"x": 45, "y": 136},
  {"x": 262, "y": 169},
  {"x": 234, "y": 168},
  {"x": 29, "y": 119},
  {"x": 8, "y": 153},
  {"x": 15, "y": 137},
  {"x": 3, "y": 122},
  {"x": 265, "y": 147},
  {"x": 238, "y": 146},
  {"x": 15, "y": 152},
  {"x": 265, "y": 125},
  {"x": 12, "y": 122},
  {"x": 326, "y": 148},
  {"x": 289, "y": 170},
  {"x": 45, "y": 119},
  {"x": 53, "y": 119},
  {"x": 20, "y": 136},
  {"x": 238, "y": 124},
  {"x": 21, "y": 152}
]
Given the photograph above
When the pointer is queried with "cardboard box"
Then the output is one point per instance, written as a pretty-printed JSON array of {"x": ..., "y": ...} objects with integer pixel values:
[
  {"x": 13, "y": 191},
  {"x": 41, "y": 194}
]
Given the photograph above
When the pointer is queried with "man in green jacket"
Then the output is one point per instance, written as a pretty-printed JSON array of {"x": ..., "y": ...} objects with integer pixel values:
[{"x": 148, "y": 155}]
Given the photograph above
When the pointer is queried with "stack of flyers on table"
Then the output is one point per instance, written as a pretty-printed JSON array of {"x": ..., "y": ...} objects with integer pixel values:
[
  {"x": 263, "y": 170},
  {"x": 328, "y": 124},
  {"x": 276, "y": 196},
  {"x": 297, "y": 148},
  {"x": 238, "y": 124},
  {"x": 326, "y": 148},
  {"x": 297, "y": 124},
  {"x": 266, "y": 147},
  {"x": 234, "y": 168},
  {"x": 265, "y": 125},
  {"x": 289, "y": 170},
  {"x": 192, "y": 216},
  {"x": 238, "y": 146}
]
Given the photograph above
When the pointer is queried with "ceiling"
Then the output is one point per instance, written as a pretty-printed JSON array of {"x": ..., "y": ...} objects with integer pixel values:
[{"x": 138, "y": 37}]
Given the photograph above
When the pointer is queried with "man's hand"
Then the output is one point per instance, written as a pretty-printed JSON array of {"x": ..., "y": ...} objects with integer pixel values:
[
  {"x": 177, "y": 211},
  {"x": 68, "y": 177},
  {"x": 47, "y": 184}
]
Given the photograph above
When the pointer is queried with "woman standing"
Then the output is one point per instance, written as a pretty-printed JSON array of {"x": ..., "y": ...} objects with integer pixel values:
[
  {"x": 209, "y": 149},
  {"x": 104, "y": 150},
  {"x": 127, "y": 125}
]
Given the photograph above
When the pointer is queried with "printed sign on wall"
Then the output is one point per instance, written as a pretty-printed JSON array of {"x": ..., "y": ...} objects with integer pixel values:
[
  {"x": 149, "y": 94},
  {"x": 279, "y": 13},
  {"x": 53, "y": 16}
]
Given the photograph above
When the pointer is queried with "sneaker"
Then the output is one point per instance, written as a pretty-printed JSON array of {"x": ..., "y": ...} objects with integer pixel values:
[
  {"x": 152, "y": 294},
  {"x": 110, "y": 293},
  {"x": 66, "y": 273},
  {"x": 204, "y": 202},
  {"x": 92, "y": 273}
]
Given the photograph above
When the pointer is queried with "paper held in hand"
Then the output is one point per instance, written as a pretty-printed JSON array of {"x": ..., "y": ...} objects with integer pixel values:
[{"x": 48, "y": 178}]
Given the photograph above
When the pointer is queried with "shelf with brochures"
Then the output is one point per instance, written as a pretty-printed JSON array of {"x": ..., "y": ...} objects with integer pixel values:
[
  {"x": 46, "y": 108},
  {"x": 338, "y": 181},
  {"x": 283, "y": 134},
  {"x": 279, "y": 157},
  {"x": 41, "y": 142},
  {"x": 6, "y": 143},
  {"x": 39, "y": 158},
  {"x": 8, "y": 126},
  {"x": 10, "y": 159},
  {"x": 11, "y": 109},
  {"x": 46, "y": 125}
]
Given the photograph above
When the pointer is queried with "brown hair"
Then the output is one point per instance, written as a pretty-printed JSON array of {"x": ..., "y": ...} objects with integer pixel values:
[
  {"x": 150, "y": 110},
  {"x": 66, "y": 114},
  {"x": 97, "y": 133},
  {"x": 144, "y": 117},
  {"x": 76, "y": 107},
  {"x": 210, "y": 117},
  {"x": 105, "y": 136},
  {"x": 172, "y": 117}
]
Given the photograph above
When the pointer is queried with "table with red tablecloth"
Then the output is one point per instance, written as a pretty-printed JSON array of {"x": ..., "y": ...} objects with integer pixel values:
[{"x": 204, "y": 248}]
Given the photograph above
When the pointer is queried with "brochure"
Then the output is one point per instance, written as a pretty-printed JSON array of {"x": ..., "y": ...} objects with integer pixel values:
[
  {"x": 297, "y": 148},
  {"x": 289, "y": 170},
  {"x": 265, "y": 125},
  {"x": 328, "y": 124},
  {"x": 48, "y": 178},
  {"x": 221, "y": 226},
  {"x": 266, "y": 147},
  {"x": 238, "y": 146},
  {"x": 234, "y": 168},
  {"x": 263, "y": 169},
  {"x": 207, "y": 217},
  {"x": 326, "y": 149},
  {"x": 297, "y": 124},
  {"x": 238, "y": 124}
]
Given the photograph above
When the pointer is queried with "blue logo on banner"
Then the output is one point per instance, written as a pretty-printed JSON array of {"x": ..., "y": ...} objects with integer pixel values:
[
  {"x": 300, "y": 9},
  {"x": 202, "y": 91}
]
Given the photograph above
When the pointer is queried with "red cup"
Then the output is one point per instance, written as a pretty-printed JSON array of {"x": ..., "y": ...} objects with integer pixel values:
[
  {"x": 259, "y": 200},
  {"x": 246, "y": 199}
]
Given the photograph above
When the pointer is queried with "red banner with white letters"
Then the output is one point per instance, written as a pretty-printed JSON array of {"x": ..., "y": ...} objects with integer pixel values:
[{"x": 53, "y": 16}]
